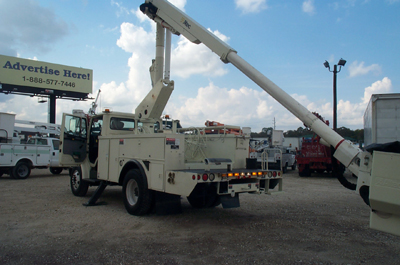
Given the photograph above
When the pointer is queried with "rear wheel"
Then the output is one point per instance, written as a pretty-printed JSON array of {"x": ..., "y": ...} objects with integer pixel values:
[
  {"x": 21, "y": 170},
  {"x": 137, "y": 197},
  {"x": 305, "y": 172},
  {"x": 79, "y": 187},
  {"x": 284, "y": 168}
]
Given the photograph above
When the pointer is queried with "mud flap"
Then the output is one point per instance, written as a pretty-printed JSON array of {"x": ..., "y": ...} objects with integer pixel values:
[
  {"x": 166, "y": 204},
  {"x": 228, "y": 201}
]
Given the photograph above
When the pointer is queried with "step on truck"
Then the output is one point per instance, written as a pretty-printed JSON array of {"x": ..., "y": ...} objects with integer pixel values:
[{"x": 156, "y": 166}]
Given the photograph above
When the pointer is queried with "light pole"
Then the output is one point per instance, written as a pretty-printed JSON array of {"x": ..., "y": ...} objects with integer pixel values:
[
  {"x": 335, "y": 168},
  {"x": 335, "y": 71}
]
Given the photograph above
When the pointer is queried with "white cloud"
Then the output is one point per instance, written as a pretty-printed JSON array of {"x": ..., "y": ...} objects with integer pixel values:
[
  {"x": 190, "y": 59},
  {"x": 251, "y": 6},
  {"x": 179, "y": 4},
  {"x": 379, "y": 87},
  {"x": 308, "y": 7},
  {"x": 243, "y": 106},
  {"x": 121, "y": 9},
  {"x": 351, "y": 114},
  {"x": 356, "y": 69}
]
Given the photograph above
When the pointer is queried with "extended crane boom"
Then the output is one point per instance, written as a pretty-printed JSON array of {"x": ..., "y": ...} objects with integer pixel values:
[
  {"x": 178, "y": 22},
  {"x": 376, "y": 170}
]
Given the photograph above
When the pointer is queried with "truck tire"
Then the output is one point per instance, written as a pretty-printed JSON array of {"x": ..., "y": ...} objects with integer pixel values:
[
  {"x": 137, "y": 197},
  {"x": 21, "y": 170},
  {"x": 284, "y": 168},
  {"x": 56, "y": 170},
  {"x": 294, "y": 166},
  {"x": 79, "y": 187},
  {"x": 306, "y": 172}
]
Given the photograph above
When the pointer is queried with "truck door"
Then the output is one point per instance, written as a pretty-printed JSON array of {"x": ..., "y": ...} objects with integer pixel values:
[
  {"x": 54, "y": 154},
  {"x": 73, "y": 142},
  {"x": 42, "y": 152}
]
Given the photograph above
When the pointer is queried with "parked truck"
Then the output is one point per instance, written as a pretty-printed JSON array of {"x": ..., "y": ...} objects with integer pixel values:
[
  {"x": 19, "y": 154},
  {"x": 162, "y": 165},
  {"x": 273, "y": 151}
]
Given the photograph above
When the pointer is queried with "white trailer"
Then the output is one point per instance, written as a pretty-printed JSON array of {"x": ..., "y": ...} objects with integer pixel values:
[
  {"x": 382, "y": 119},
  {"x": 160, "y": 166}
]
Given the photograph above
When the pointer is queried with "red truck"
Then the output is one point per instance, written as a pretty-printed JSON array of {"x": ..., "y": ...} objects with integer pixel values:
[{"x": 314, "y": 156}]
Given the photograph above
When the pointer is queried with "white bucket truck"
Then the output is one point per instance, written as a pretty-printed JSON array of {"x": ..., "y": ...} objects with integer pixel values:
[
  {"x": 156, "y": 165},
  {"x": 18, "y": 154}
]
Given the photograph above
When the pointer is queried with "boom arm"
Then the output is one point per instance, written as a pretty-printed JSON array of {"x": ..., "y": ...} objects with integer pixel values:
[{"x": 177, "y": 22}]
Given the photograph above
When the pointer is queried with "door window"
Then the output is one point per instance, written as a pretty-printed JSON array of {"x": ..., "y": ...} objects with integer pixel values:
[{"x": 75, "y": 126}]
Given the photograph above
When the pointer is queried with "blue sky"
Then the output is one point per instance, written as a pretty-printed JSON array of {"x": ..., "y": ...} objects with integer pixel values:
[{"x": 287, "y": 41}]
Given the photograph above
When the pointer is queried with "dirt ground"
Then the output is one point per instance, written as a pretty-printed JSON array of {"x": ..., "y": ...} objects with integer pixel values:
[{"x": 315, "y": 221}]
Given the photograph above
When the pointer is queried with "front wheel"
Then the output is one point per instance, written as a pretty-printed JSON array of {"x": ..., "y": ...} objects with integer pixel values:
[
  {"x": 21, "y": 170},
  {"x": 79, "y": 187},
  {"x": 137, "y": 196}
]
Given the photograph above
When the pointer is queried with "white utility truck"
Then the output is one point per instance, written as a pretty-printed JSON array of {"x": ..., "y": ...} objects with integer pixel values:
[
  {"x": 156, "y": 165},
  {"x": 19, "y": 155},
  {"x": 273, "y": 152}
]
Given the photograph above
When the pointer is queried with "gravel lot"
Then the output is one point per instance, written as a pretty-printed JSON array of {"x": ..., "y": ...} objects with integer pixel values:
[{"x": 316, "y": 221}]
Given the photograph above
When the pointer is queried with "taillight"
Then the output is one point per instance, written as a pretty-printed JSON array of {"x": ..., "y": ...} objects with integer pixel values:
[
  {"x": 205, "y": 177},
  {"x": 194, "y": 177},
  {"x": 274, "y": 174},
  {"x": 198, "y": 177},
  {"x": 211, "y": 177}
]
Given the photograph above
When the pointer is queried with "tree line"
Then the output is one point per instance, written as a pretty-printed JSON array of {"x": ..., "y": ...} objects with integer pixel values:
[{"x": 353, "y": 135}]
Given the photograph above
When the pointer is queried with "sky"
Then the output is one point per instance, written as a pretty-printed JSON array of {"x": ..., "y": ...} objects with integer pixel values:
[{"x": 287, "y": 41}]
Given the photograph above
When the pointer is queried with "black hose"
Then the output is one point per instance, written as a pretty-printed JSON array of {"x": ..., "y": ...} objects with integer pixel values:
[{"x": 338, "y": 170}]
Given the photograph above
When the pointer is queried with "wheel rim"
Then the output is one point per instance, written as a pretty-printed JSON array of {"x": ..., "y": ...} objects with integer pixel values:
[
  {"x": 132, "y": 192},
  {"x": 23, "y": 171},
  {"x": 76, "y": 179}
]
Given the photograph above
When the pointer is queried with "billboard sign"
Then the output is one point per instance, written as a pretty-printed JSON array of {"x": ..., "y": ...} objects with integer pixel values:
[{"x": 31, "y": 73}]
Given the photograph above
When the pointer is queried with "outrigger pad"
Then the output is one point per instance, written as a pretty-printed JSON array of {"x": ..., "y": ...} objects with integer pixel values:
[
  {"x": 167, "y": 204},
  {"x": 96, "y": 195},
  {"x": 228, "y": 201}
]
